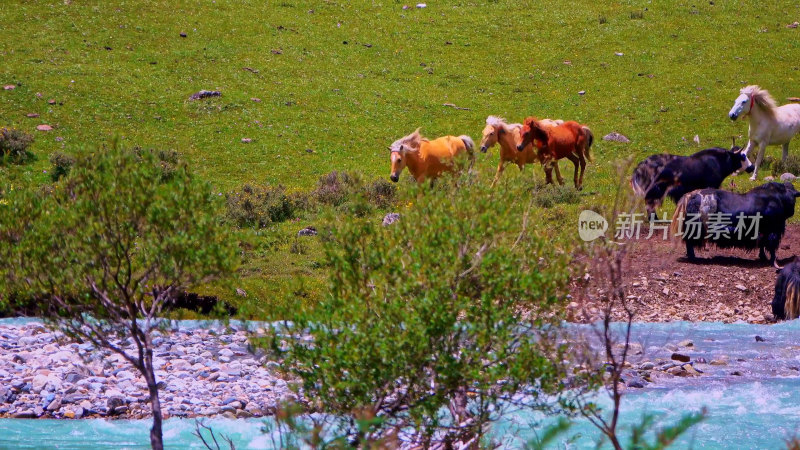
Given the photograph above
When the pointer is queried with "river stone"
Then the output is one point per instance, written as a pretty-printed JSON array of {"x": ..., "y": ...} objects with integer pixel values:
[
  {"x": 24, "y": 414},
  {"x": 253, "y": 409},
  {"x": 73, "y": 377},
  {"x": 115, "y": 401},
  {"x": 686, "y": 343},
  {"x": 680, "y": 357},
  {"x": 54, "y": 405},
  {"x": 242, "y": 414}
]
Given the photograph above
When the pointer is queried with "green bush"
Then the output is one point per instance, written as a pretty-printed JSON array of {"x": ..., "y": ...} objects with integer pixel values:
[
  {"x": 259, "y": 206},
  {"x": 432, "y": 321},
  {"x": 335, "y": 188},
  {"x": 168, "y": 160},
  {"x": 62, "y": 163},
  {"x": 14, "y": 145},
  {"x": 349, "y": 192},
  {"x": 791, "y": 165}
]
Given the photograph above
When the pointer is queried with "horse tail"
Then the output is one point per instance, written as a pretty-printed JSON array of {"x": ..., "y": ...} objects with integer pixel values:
[
  {"x": 676, "y": 226},
  {"x": 791, "y": 307},
  {"x": 468, "y": 143},
  {"x": 640, "y": 180},
  {"x": 589, "y": 141}
]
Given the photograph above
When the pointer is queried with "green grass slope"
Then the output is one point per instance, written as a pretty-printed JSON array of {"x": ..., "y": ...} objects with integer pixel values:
[{"x": 345, "y": 79}]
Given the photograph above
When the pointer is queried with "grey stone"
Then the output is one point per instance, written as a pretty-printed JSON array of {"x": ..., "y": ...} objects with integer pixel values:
[
  {"x": 307, "y": 231},
  {"x": 616, "y": 137},
  {"x": 24, "y": 414},
  {"x": 54, "y": 405},
  {"x": 73, "y": 377},
  {"x": 204, "y": 94},
  {"x": 787, "y": 177},
  {"x": 390, "y": 218},
  {"x": 115, "y": 401}
]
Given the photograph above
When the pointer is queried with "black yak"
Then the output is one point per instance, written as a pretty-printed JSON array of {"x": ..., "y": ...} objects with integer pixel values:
[
  {"x": 756, "y": 219},
  {"x": 786, "y": 303},
  {"x": 647, "y": 170},
  {"x": 704, "y": 169}
]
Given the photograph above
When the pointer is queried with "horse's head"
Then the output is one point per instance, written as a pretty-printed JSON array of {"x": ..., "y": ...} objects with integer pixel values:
[
  {"x": 531, "y": 130},
  {"x": 397, "y": 156},
  {"x": 741, "y": 106},
  {"x": 398, "y": 151},
  {"x": 490, "y": 133}
]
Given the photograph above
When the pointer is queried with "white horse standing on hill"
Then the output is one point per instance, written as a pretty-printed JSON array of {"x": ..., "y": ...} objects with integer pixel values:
[{"x": 770, "y": 124}]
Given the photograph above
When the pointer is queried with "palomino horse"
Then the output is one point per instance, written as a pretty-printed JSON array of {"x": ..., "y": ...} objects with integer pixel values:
[
  {"x": 497, "y": 131},
  {"x": 425, "y": 158},
  {"x": 569, "y": 140},
  {"x": 770, "y": 124}
]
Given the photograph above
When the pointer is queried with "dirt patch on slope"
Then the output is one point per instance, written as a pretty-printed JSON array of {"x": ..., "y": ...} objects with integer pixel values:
[{"x": 725, "y": 285}]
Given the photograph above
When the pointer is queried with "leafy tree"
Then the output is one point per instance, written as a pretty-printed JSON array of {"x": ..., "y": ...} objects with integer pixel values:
[
  {"x": 434, "y": 325},
  {"x": 104, "y": 251}
]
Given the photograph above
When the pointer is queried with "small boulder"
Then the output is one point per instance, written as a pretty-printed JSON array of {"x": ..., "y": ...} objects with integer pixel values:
[
  {"x": 390, "y": 218},
  {"x": 204, "y": 94},
  {"x": 760, "y": 339},
  {"x": 44, "y": 127},
  {"x": 787, "y": 177},
  {"x": 307, "y": 231},
  {"x": 680, "y": 357},
  {"x": 686, "y": 343},
  {"x": 616, "y": 137}
]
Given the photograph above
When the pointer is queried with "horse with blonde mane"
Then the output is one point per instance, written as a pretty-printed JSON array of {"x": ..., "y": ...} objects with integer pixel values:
[
  {"x": 569, "y": 140},
  {"x": 509, "y": 135},
  {"x": 427, "y": 158},
  {"x": 770, "y": 124}
]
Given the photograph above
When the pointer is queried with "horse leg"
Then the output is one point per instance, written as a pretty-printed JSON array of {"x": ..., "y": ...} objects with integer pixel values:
[
  {"x": 558, "y": 172},
  {"x": 548, "y": 173},
  {"x": 500, "y": 168},
  {"x": 582, "y": 160},
  {"x": 576, "y": 162},
  {"x": 762, "y": 147},
  {"x": 785, "y": 151}
]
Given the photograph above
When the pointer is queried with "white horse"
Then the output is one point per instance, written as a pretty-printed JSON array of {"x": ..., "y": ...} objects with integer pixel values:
[{"x": 770, "y": 124}]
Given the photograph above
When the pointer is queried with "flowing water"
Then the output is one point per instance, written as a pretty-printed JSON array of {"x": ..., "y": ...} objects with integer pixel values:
[{"x": 752, "y": 402}]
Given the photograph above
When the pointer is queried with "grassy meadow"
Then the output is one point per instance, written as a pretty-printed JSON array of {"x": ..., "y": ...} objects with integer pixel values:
[{"x": 327, "y": 85}]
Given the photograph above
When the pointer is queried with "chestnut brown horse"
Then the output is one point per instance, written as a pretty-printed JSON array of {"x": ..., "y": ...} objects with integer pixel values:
[
  {"x": 569, "y": 140},
  {"x": 508, "y": 135},
  {"x": 425, "y": 158}
]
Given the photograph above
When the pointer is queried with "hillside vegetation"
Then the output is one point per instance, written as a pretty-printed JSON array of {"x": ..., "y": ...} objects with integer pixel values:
[{"x": 324, "y": 86}]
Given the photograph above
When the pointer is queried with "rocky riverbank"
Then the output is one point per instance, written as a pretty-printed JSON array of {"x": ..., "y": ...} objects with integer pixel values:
[{"x": 201, "y": 373}]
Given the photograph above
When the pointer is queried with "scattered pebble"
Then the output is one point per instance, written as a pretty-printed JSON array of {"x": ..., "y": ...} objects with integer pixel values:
[
  {"x": 32, "y": 115},
  {"x": 44, "y": 127},
  {"x": 247, "y": 140},
  {"x": 9, "y": 87}
]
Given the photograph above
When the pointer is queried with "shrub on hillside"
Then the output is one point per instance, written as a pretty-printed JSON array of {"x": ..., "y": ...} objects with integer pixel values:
[
  {"x": 62, "y": 163},
  {"x": 333, "y": 189},
  {"x": 350, "y": 192},
  {"x": 14, "y": 145},
  {"x": 168, "y": 160},
  {"x": 434, "y": 321},
  {"x": 791, "y": 165},
  {"x": 259, "y": 206}
]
